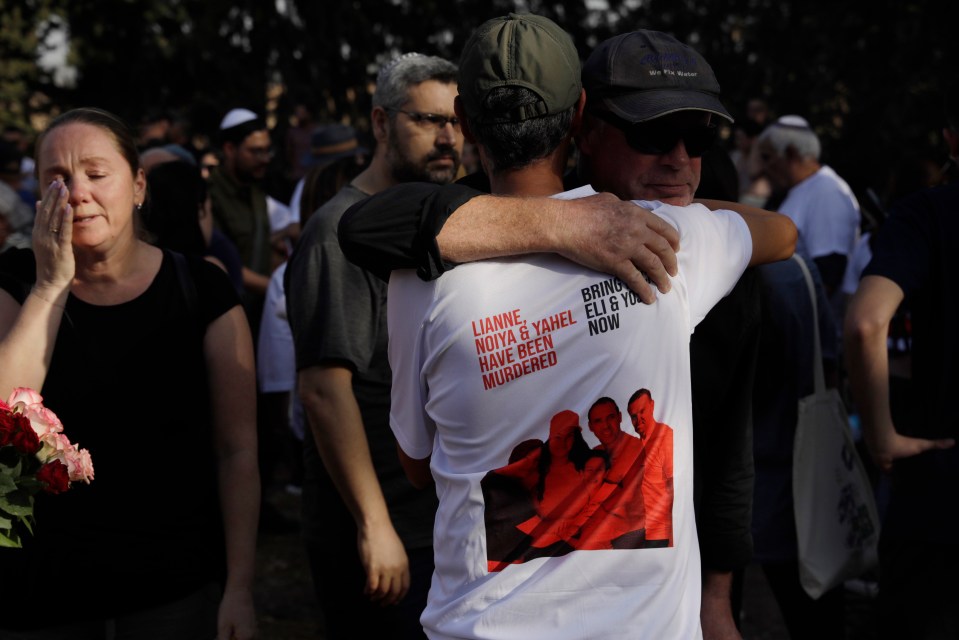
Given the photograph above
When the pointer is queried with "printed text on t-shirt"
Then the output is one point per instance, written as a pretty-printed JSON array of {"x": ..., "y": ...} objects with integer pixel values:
[
  {"x": 602, "y": 302},
  {"x": 508, "y": 346}
]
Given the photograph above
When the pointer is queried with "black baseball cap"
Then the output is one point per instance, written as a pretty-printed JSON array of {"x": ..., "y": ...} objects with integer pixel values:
[{"x": 646, "y": 74}]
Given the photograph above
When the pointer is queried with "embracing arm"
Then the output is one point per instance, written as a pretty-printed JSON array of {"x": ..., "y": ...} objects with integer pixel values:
[
  {"x": 334, "y": 416},
  {"x": 228, "y": 349},
  {"x": 432, "y": 228},
  {"x": 774, "y": 235},
  {"x": 866, "y": 328}
]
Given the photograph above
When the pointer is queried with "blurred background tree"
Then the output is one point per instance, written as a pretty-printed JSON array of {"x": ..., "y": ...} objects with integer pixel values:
[{"x": 866, "y": 75}]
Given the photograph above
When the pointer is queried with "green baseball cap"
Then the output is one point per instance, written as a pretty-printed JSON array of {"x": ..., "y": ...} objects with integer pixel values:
[{"x": 519, "y": 50}]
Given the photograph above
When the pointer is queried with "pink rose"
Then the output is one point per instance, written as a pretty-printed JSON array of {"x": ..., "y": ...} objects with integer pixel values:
[
  {"x": 25, "y": 396},
  {"x": 79, "y": 465},
  {"x": 43, "y": 420},
  {"x": 54, "y": 447}
]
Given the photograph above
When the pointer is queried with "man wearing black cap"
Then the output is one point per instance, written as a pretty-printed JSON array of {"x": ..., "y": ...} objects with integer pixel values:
[
  {"x": 483, "y": 357},
  {"x": 651, "y": 112}
]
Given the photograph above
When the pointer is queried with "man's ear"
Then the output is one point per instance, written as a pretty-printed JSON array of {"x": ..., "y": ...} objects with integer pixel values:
[
  {"x": 588, "y": 134},
  {"x": 381, "y": 124},
  {"x": 460, "y": 112}
]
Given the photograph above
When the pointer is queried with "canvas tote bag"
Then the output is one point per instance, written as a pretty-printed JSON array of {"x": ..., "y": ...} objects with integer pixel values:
[{"x": 837, "y": 522}]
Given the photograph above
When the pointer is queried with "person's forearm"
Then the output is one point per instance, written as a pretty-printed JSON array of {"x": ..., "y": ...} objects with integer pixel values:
[
  {"x": 29, "y": 333},
  {"x": 866, "y": 328},
  {"x": 867, "y": 360},
  {"x": 716, "y": 614},
  {"x": 337, "y": 428},
  {"x": 228, "y": 349},
  {"x": 600, "y": 232},
  {"x": 774, "y": 235},
  {"x": 492, "y": 227},
  {"x": 430, "y": 229},
  {"x": 239, "y": 484}
]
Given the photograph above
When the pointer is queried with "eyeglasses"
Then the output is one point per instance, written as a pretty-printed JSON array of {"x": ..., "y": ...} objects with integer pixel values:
[
  {"x": 429, "y": 120},
  {"x": 260, "y": 152},
  {"x": 660, "y": 136}
]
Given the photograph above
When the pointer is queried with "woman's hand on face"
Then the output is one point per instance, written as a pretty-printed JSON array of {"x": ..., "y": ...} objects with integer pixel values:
[{"x": 52, "y": 236}]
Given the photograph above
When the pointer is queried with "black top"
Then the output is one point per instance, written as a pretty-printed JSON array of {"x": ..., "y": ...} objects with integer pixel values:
[
  {"x": 913, "y": 248},
  {"x": 129, "y": 383}
]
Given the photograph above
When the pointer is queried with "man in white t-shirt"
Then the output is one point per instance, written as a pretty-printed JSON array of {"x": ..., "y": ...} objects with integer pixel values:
[
  {"x": 485, "y": 358},
  {"x": 820, "y": 202}
]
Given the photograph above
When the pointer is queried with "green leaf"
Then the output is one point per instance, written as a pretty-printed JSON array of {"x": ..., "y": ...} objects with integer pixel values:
[
  {"x": 5, "y": 524},
  {"x": 11, "y": 465},
  {"x": 17, "y": 504},
  {"x": 12, "y": 542},
  {"x": 7, "y": 484}
]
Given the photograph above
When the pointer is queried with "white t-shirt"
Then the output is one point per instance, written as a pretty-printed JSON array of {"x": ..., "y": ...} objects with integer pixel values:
[
  {"x": 825, "y": 212},
  {"x": 281, "y": 216},
  {"x": 484, "y": 360},
  {"x": 296, "y": 198},
  {"x": 275, "y": 364}
]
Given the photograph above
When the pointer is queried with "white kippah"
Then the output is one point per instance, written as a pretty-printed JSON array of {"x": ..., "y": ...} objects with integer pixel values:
[
  {"x": 236, "y": 117},
  {"x": 797, "y": 122}
]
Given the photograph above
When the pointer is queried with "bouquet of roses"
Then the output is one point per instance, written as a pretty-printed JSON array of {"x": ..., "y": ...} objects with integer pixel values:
[{"x": 34, "y": 456}]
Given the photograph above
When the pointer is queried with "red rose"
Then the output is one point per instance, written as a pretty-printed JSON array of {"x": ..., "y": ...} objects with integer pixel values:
[
  {"x": 7, "y": 427},
  {"x": 24, "y": 437},
  {"x": 55, "y": 477}
]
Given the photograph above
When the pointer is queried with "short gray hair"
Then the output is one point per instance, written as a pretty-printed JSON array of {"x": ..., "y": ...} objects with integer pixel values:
[
  {"x": 792, "y": 131},
  {"x": 395, "y": 79}
]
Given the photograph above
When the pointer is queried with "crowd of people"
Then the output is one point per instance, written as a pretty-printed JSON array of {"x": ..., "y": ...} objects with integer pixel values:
[{"x": 434, "y": 356}]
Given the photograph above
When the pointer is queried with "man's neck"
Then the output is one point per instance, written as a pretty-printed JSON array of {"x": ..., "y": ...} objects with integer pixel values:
[
  {"x": 543, "y": 177},
  {"x": 804, "y": 170},
  {"x": 376, "y": 177}
]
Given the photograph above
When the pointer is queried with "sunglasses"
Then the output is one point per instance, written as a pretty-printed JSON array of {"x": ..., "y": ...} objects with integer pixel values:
[{"x": 660, "y": 136}]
